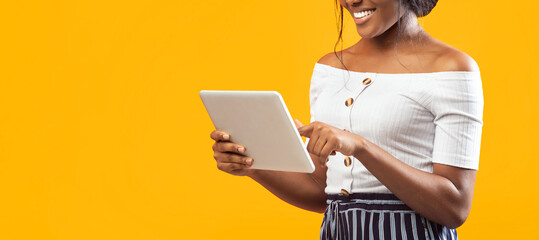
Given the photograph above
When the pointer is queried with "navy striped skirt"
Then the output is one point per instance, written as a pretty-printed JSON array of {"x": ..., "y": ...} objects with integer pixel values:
[{"x": 377, "y": 216}]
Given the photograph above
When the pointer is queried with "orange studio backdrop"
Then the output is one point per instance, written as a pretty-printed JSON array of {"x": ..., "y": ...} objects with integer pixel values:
[{"x": 103, "y": 135}]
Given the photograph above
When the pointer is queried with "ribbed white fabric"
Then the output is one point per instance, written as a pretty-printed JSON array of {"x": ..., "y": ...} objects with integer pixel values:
[{"x": 419, "y": 118}]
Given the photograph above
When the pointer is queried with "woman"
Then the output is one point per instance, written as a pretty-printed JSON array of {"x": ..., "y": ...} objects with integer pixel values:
[{"x": 395, "y": 132}]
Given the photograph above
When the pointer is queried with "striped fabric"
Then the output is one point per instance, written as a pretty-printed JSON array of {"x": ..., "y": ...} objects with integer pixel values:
[{"x": 377, "y": 216}]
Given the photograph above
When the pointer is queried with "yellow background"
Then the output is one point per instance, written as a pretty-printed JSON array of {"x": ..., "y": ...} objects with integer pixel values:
[{"x": 103, "y": 135}]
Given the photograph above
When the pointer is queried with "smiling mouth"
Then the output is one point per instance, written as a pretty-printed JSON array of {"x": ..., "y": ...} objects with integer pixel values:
[{"x": 363, "y": 14}]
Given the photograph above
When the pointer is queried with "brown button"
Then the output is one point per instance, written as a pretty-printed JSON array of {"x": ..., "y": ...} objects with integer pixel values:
[
  {"x": 347, "y": 161},
  {"x": 349, "y": 102},
  {"x": 345, "y": 193},
  {"x": 367, "y": 81}
]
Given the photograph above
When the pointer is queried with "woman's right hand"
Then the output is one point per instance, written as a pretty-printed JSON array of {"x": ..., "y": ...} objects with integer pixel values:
[{"x": 229, "y": 155}]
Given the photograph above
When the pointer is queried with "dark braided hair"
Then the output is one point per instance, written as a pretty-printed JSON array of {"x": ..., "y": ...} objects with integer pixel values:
[{"x": 420, "y": 8}]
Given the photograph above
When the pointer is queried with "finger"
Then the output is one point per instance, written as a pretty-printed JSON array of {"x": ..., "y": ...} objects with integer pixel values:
[
  {"x": 306, "y": 131},
  {"x": 219, "y": 135},
  {"x": 312, "y": 143},
  {"x": 298, "y": 123},
  {"x": 327, "y": 150},
  {"x": 319, "y": 145},
  {"x": 229, "y": 167},
  {"x": 229, "y": 147},
  {"x": 235, "y": 166},
  {"x": 233, "y": 158}
]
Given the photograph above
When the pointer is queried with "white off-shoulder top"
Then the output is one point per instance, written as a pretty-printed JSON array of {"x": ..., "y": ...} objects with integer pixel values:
[{"x": 419, "y": 118}]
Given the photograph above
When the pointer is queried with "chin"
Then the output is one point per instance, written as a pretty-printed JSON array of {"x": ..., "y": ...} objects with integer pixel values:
[
  {"x": 366, "y": 35},
  {"x": 363, "y": 33}
]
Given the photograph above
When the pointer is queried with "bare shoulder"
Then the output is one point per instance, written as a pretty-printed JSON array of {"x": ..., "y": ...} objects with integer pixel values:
[
  {"x": 451, "y": 59},
  {"x": 332, "y": 60}
]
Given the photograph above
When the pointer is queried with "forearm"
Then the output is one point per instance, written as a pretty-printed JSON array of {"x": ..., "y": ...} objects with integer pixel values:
[
  {"x": 298, "y": 189},
  {"x": 433, "y": 196}
]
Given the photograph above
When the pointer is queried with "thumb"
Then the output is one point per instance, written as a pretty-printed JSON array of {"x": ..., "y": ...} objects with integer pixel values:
[{"x": 298, "y": 123}]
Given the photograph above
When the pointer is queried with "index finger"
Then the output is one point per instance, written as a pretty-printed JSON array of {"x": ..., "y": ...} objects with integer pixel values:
[
  {"x": 219, "y": 135},
  {"x": 306, "y": 131}
]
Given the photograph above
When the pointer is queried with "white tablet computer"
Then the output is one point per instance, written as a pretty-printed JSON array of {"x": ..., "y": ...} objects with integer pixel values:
[{"x": 260, "y": 121}]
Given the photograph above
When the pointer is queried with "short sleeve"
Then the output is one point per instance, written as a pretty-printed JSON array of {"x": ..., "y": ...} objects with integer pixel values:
[
  {"x": 457, "y": 106},
  {"x": 314, "y": 91},
  {"x": 315, "y": 88}
]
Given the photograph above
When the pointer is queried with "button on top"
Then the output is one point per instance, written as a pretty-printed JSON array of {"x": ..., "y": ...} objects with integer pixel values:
[
  {"x": 347, "y": 161},
  {"x": 349, "y": 102},
  {"x": 367, "y": 81}
]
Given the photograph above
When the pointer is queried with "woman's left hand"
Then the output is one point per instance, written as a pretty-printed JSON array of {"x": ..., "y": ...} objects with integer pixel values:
[{"x": 325, "y": 140}]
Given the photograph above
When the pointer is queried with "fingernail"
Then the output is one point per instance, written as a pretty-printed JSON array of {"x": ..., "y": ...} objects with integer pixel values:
[
  {"x": 241, "y": 149},
  {"x": 249, "y": 161},
  {"x": 225, "y": 136}
]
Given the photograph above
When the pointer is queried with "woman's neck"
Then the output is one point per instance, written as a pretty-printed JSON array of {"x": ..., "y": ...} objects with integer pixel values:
[{"x": 385, "y": 43}]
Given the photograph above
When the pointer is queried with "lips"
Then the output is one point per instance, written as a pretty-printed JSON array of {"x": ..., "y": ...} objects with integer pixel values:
[{"x": 364, "y": 13}]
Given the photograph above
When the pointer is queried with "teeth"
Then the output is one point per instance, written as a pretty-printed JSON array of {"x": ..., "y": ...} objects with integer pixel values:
[{"x": 363, "y": 13}]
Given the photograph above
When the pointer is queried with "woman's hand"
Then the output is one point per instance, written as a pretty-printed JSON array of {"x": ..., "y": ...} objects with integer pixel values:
[
  {"x": 229, "y": 155},
  {"x": 325, "y": 140}
]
